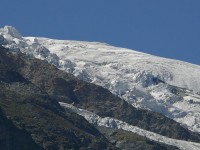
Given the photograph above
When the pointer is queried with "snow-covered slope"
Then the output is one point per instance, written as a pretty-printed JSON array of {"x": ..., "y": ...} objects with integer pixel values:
[
  {"x": 143, "y": 80},
  {"x": 118, "y": 124}
]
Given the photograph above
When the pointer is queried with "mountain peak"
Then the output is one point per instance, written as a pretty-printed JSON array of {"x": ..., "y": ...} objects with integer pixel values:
[{"x": 12, "y": 32}]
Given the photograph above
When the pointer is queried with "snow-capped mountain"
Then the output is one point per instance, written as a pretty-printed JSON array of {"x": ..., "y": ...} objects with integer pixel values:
[{"x": 168, "y": 86}]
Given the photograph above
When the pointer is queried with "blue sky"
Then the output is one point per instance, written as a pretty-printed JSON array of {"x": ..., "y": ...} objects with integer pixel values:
[{"x": 168, "y": 28}]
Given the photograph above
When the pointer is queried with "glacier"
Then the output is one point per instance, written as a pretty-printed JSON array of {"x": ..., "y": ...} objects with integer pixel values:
[
  {"x": 167, "y": 86},
  {"x": 118, "y": 124}
]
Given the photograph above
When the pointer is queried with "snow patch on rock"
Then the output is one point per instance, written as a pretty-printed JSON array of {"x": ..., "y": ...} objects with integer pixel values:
[{"x": 118, "y": 124}]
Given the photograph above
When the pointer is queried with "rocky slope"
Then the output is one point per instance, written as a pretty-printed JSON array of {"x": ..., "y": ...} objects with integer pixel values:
[
  {"x": 131, "y": 141},
  {"x": 30, "y": 119},
  {"x": 9, "y": 138}
]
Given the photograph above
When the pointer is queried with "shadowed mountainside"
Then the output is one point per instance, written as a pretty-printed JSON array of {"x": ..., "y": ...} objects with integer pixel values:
[{"x": 30, "y": 119}]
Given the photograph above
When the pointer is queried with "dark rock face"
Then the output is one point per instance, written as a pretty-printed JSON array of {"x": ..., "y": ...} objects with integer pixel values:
[
  {"x": 3, "y": 41},
  {"x": 130, "y": 141},
  {"x": 12, "y": 138},
  {"x": 30, "y": 119}
]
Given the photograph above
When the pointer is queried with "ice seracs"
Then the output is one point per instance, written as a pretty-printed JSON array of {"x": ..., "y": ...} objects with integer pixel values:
[{"x": 163, "y": 85}]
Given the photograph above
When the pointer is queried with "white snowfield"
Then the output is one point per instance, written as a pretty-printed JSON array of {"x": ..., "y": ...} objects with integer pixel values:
[
  {"x": 134, "y": 76},
  {"x": 118, "y": 124}
]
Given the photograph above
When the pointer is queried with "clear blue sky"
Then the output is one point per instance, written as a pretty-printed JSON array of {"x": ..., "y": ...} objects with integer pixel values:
[{"x": 168, "y": 28}]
